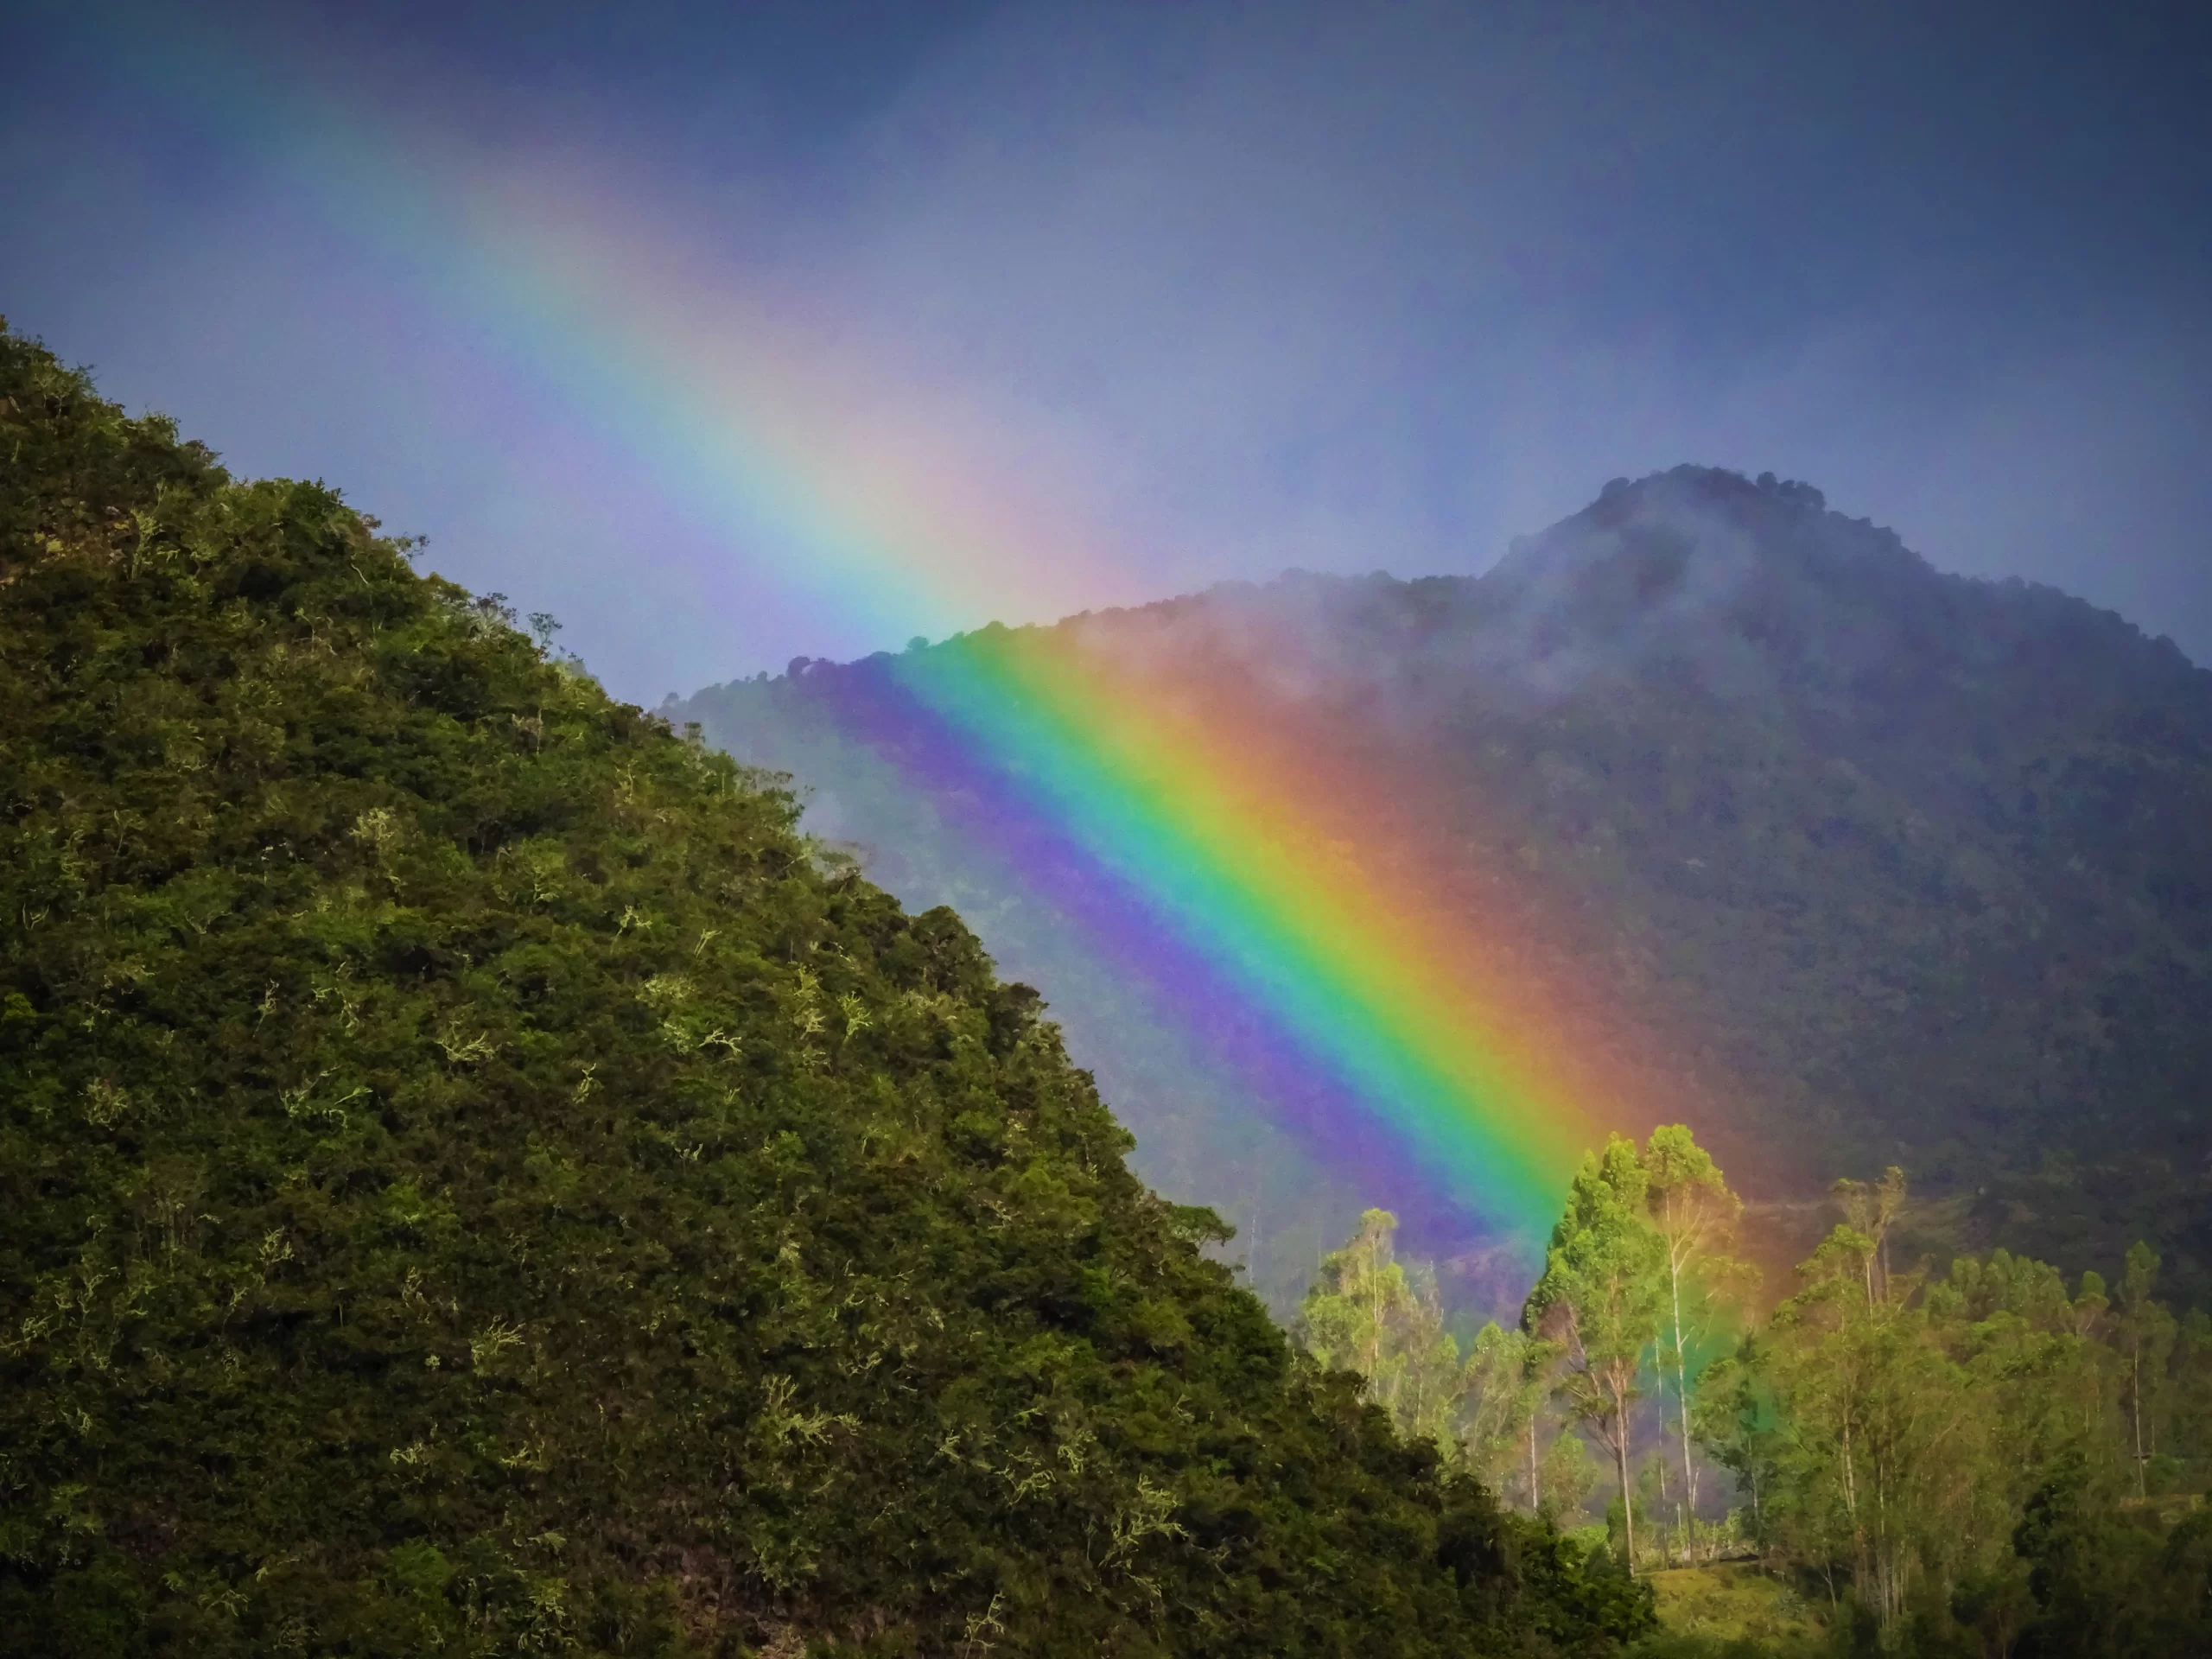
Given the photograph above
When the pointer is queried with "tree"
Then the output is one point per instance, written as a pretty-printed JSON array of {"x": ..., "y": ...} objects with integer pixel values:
[
  {"x": 1871, "y": 1208},
  {"x": 1970, "y": 1455},
  {"x": 1601, "y": 1299},
  {"x": 1879, "y": 1429},
  {"x": 1366, "y": 1313},
  {"x": 2146, "y": 1332},
  {"x": 1426, "y": 1376},
  {"x": 1736, "y": 1422},
  {"x": 1502, "y": 1389},
  {"x": 1344, "y": 1320},
  {"x": 1694, "y": 1212},
  {"x": 1568, "y": 1475}
]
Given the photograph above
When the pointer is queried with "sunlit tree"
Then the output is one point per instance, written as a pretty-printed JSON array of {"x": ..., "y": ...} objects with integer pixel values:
[
  {"x": 2146, "y": 1332},
  {"x": 1502, "y": 1389},
  {"x": 1694, "y": 1213},
  {"x": 1601, "y": 1299},
  {"x": 1367, "y": 1312}
]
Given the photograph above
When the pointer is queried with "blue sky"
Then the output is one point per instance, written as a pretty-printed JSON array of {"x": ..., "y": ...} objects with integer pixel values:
[{"x": 1341, "y": 286}]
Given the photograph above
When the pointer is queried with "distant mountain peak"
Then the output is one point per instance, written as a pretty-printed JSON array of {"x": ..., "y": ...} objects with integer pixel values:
[{"x": 1755, "y": 587}]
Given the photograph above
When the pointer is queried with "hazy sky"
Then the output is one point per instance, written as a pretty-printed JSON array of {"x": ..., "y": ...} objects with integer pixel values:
[{"x": 1234, "y": 287}]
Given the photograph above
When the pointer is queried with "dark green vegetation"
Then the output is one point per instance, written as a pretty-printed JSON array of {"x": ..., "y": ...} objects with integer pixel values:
[
  {"x": 1893, "y": 867},
  {"x": 474, "y": 1178},
  {"x": 1976, "y": 1463},
  {"x": 1198, "y": 1134}
]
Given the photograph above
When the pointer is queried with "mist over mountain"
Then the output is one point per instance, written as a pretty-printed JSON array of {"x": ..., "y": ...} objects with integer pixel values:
[{"x": 1888, "y": 865}]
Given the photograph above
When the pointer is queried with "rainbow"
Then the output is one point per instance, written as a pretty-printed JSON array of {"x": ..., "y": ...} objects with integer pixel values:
[
  {"x": 1271, "y": 889},
  {"x": 1227, "y": 854}
]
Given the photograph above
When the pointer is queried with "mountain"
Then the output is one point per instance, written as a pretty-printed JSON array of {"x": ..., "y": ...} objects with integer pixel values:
[
  {"x": 1881, "y": 865},
  {"x": 475, "y": 1178}
]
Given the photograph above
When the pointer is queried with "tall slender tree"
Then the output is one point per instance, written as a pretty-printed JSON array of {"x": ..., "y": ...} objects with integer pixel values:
[
  {"x": 1344, "y": 1321},
  {"x": 1601, "y": 1299},
  {"x": 1502, "y": 1389},
  {"x": 1694, "y": 1213},
  {"x": 1367, "y": 1312},
  {"x": 1872, "y": 1208},
  {"x": 2146, "y": 1339}
]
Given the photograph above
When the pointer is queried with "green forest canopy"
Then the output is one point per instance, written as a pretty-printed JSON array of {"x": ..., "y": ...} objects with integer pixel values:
[
  {"x": 1976, "y": 1463},
  {"x": 474, "y": 1177}
]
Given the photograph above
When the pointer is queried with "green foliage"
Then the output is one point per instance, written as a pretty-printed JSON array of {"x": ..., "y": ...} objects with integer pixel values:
[
  {"x": 1601, "y": 1300},
  {"x": 1568, "y": 1475},
  {"x": 1960, "y": 1453},
  {"x": 474, "y": 1177},
  {"x": 1690, "y": 1207},
  {"x": 1963, "y": 1463},
  {"x": 1368, "y": 1313},
  {"x": 1501, "y": 1393},
  {"x": 1636, "y": 1278},
  {"x": 1729, "y": 1602},
  {"x": 1978, "y": 1464},
  {"x": 1198, "y": 1131},
  {"x": 2107, "y": 1581},
  {"x": 2143, "y": 1335}
]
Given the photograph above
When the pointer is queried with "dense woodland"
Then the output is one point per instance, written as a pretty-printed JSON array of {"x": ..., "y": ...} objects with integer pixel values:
[
  {"x": 475, "y": 1178},
  {"x": 1983, "y": 1462}
]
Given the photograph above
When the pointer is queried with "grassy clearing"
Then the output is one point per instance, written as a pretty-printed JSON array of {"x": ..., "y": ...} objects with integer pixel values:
[{"x": 1732, "y": 1601}]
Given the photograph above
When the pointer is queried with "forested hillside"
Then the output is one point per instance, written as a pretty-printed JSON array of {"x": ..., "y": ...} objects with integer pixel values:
[
  {"x": 1895, "y": 867},
  {"x": 474, "y": 1177}
]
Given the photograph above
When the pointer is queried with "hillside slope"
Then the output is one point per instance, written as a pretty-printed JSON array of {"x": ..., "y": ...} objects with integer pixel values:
[
  {"x": 1887, "y": 865},
  {"x": 472, "y": 1178}
]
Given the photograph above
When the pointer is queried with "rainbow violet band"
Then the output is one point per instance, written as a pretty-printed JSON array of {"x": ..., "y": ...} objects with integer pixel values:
[{"x": 1180, "y": 840}]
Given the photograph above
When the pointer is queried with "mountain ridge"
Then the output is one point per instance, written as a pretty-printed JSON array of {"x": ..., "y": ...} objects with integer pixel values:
[{"x": 1912, "y": 864}]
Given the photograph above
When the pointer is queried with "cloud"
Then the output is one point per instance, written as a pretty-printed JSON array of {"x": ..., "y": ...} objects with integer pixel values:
[
  {"x": 1347, "y": 287},
  {"x": 1227, "y": 289}
]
